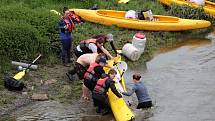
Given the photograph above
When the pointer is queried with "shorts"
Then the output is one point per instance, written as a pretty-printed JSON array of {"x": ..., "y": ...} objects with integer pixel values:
[
  {"x": 80, "y": 70},
  {"x": 147, "y": 104},
  {"x": 89, "y": 84}
]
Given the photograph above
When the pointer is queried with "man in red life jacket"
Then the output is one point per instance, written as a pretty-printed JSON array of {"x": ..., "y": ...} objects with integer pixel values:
[
  {"x": 99, "y": 94},
  {"x": 93, "y": 73},
  {"x": 81, "y": 66},
  {"x": 93, "y": 45}
]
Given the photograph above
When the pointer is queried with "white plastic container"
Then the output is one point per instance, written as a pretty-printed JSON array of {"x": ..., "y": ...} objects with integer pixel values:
[
  {"x": 131, "y": 14},
  {"x": 139, "y": 41},
  {"x": 131, "y": 52}
]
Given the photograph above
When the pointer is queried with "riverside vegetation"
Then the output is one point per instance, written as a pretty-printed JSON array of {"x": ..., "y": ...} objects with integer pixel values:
[{"x": 27, "y": 27}]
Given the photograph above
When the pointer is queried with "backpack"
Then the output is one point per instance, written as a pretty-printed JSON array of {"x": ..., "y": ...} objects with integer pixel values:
[
  {"x": 140, "y": 15},
  {"x": 13, "y": 85}
]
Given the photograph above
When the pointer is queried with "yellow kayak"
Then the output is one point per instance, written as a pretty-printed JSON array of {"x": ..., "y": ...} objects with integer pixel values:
[
  {"x": 118, "y": 105},
  {"x": 160, "y": 23},
  {"x": 209, "y": 7},
  {"x": 123, "y": 1}
]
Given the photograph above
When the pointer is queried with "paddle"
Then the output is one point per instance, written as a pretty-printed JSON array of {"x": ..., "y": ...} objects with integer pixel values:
[
  {"x": 121, "y": 67},
  {"x": 13, "y": 83},
  {"x": 19, "y": 75},
  {"x": 110, "y": 39}
]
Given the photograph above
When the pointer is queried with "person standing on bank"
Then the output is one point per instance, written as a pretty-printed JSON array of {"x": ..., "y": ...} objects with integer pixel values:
[
  {"x": 141, "y": 93},
  {"x": 66, "y": 26}
]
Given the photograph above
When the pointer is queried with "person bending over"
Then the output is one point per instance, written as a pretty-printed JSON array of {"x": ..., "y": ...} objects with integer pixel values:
[
  {"x": 93, "y": 45},
  {"x": 93, "y": 73},
  {"x": 81, "y": 66},
  {"x": 99, "y": 94}
]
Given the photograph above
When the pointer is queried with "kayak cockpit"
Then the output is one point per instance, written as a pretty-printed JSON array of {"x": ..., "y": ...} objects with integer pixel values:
[{"x": 121, "y": 15}]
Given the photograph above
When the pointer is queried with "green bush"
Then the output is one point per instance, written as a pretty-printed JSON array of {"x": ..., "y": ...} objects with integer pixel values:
[
  {"x": 20, "y": 41},
  {"x": 190, "y": 13},
  {"x": 25, "y": 32}
]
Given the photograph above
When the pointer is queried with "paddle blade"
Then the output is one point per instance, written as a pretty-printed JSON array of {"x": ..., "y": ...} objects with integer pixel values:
[{"x": 19, "y": 75}]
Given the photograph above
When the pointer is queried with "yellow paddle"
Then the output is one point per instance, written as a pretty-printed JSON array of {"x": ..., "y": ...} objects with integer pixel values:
[
  {"x": 123, "y": 1},
  {"x": 19, "y": 75}
]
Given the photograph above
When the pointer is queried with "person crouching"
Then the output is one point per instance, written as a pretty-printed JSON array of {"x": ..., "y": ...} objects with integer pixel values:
[
  {"x": 99, "y": 95},
  {"x": 93, "y": 73}
]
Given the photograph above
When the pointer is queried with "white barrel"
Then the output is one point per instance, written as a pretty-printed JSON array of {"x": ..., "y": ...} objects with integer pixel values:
[
  {"x": 139, "y": 41},
  {"x": 131, "y": 52}
]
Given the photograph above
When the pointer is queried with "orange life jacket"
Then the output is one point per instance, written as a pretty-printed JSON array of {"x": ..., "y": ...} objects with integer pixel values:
[
  {"x": 100, "y": 85},
  {"x": 69, "y": 24},
  {"x": 90, "y": 73},
  {"x": 75, "y": 18}
]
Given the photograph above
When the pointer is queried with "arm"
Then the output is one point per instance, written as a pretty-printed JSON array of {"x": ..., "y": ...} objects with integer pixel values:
[
  {"x": 113, "y": 47},
  {"x": 106, "y": 52},
  {"x": 129, "y": 93},
  {"x": 113, "y": 88}
]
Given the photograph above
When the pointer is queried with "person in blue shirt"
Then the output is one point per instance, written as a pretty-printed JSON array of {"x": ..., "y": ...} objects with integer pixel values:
[
  {"x": 66, "y": 26},
  {"x": 144, "y": 100}
]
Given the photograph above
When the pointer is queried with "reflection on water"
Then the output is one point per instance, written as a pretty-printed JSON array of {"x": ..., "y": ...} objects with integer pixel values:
[
  {"x": 181, "y": 81},
  {"x": 194, "y": 43}
]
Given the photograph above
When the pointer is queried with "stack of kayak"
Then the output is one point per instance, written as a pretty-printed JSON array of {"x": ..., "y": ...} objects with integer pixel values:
[
  {"x": 160, "y": 23},
  {"x": 209, "y": 7},
  {"x": 119, "y": 107}
]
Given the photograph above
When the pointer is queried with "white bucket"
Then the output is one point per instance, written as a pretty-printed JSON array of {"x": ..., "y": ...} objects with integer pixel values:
[
  {"x": 131, "y": 52},
  {"x": 139, "y": 41}
]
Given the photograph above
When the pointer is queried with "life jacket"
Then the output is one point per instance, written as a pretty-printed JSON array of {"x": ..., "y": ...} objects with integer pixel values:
[
  {"x": 75, "y": 18},
  {"x": 90, "y": 73},
  {"x": 69, "y": 24},
  {"x": 84, "y": 45},
  {"x": 101, "y": 86}
]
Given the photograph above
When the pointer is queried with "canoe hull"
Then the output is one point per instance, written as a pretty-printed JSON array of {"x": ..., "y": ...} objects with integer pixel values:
[
  {"x": 208, "y": 8},
  {"x": 164, "y": 23}
]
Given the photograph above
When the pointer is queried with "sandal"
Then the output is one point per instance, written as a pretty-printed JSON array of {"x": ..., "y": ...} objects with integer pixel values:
[{"x": 85, "y": 98}]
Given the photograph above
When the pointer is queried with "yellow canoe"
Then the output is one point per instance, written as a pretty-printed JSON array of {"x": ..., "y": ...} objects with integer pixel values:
[
  {"x": 209, "y": 7},
  {"x": 161, "y": 23},
  {"x": 123, "y": 1},
  {"x": 118, "y": 105}
]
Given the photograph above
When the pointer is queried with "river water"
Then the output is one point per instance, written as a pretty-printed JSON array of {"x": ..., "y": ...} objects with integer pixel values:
[{"x": 180, "y": 81}]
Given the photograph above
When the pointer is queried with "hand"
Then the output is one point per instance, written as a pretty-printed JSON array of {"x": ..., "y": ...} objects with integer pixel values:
[{"x": 123, "y": 93}]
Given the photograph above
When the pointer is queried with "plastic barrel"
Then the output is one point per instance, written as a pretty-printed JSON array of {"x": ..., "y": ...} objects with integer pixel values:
[
  {"x": 139, "y": 41},
  {"x": 131, "y": 52}
]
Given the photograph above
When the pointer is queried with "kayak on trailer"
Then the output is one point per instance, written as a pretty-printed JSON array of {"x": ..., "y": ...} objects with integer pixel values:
[
  {"x": 120, "y": 109},
  {"x": 209, "y": 7},
  {"x": 160, "y": 23}
]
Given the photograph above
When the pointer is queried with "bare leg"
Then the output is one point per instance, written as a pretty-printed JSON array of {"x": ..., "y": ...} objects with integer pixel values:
[{"x": 85, "y": 91}]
